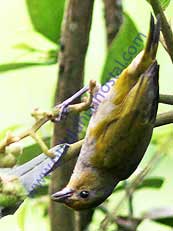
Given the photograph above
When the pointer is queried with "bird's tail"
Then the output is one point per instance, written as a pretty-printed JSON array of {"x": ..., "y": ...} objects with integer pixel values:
[
  {"x": 146, "y": 57},
  {"x": 148, "y": 87},
  {"x": 153, "y": 38}
]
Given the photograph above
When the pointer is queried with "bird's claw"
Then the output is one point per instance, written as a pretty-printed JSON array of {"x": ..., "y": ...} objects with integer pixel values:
[{"x": 62, "y": 113}]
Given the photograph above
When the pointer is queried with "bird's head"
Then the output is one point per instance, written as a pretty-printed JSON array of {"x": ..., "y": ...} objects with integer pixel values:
[{"x": 86, "y": 190}]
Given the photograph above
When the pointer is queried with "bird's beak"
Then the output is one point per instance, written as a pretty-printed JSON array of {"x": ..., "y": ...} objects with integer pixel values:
[{"x": 62, "y": 195}]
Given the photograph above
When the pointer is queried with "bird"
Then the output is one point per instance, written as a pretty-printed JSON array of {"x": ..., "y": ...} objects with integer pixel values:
[{"x": 119, "y": 131}]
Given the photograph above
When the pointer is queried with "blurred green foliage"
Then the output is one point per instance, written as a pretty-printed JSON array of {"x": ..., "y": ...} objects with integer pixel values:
[
  {"x": 31, "y": 40},
  {"x": 46, "y": 17},
  {"x": 118, "y": 56},
  {"x": 164, "y": 3}
]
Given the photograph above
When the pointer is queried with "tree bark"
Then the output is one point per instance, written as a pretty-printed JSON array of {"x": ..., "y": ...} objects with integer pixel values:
[
  {"x": 113, "y": 17},
  {"x": 74, "y": 43},
  {"x": 83, "y": 219}
]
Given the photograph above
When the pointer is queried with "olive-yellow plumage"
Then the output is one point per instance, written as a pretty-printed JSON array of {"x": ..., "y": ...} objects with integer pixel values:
[{"x": 119, "y": 131}]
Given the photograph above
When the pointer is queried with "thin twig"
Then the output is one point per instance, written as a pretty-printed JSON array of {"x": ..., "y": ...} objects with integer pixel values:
[
  {"x": 165, "y": 27},
  {"x": 44, "y": 117},
  {"x": 164, "y": 119},
  {"x": 12, "y": 139},
  {"x": 130, "y": 199},
  {"x": 166, "y": 99}
]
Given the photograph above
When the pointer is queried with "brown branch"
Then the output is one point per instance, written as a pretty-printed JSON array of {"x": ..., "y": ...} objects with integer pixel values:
[
  {"x": 164, "y": 119},
  {"x": 74, "y": 43},
  {"x": 124, "y": 223},
  {"x": 165, "y": 27},
  {"x": 113, "y": 18}
]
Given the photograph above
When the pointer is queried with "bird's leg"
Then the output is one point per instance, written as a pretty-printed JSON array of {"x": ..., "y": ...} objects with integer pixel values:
[
  {"x": 63, "y": 106},
  {"x": 66, "y": 106},
  {"x": 58, "y": 114},
  {"x": 87, "y": 101}
]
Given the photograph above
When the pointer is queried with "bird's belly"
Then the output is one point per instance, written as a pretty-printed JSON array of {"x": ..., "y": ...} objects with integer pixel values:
[{"x": 121, "y": 148}]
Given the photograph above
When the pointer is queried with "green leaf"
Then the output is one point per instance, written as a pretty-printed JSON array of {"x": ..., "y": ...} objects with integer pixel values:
[
  {"x": 14, "y": 66},
  {"x": 164, "y": 3},
  {"x": 161, "y": 215},
  {"x": 25, "y": 46},
  {"x": 31, "y": 151},
  {"x": 21, "y": 215},
  {"x": 153, "y": 183},
  {"x": 42, "y": 190},
  {"x": 126, "y": 45},
  {"x": 4, "y": 132},
  {"x": 46, "y": 17}
]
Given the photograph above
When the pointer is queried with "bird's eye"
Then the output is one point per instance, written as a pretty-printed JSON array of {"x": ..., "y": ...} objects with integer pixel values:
[{"x": 84, "y": 194}]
